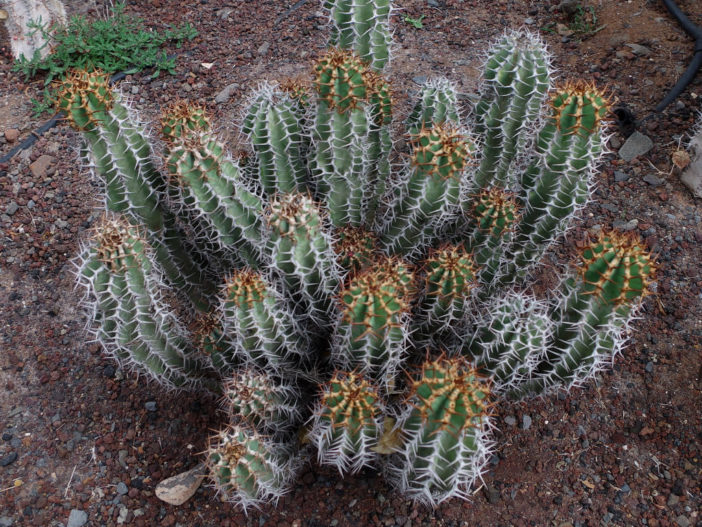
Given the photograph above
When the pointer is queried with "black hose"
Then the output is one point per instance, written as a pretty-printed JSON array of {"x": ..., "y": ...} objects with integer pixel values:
[{"x": 695, "y": 64}]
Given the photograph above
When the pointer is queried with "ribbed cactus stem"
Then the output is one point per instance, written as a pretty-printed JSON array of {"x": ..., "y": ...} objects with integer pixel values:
[
  {"x": 302, "y": 254},
  {"x": 208, "y": 184},
  {"x": 372, "y": 333},
  {"x": 355, "y": 248},
  {"x": 136, "y": 326},
  {"x": 273, "y": 125},
  {"x": 429, "y": 196},
  {"x": 121, "y": 157},
  {"x": 437, "y": 103},
  {"x": 267, "y": 404},
  {"x": 594, "y": 313},
  {"x": 557, "y": 185},
  {"x": 259, "y": 324},
  {"x": 510, "y": 340},
  {"x": 247, "y": 468},
  {"x": 207, "y": 336},
  {"x": 516, "y": 81},
  {"x": 362, "y": 25},
  {"x": 347, "y": 423},
  {"x": 495, "y": 213},
  {"x": 450, "y": 276},
  {"x": 445, "y": 428}
]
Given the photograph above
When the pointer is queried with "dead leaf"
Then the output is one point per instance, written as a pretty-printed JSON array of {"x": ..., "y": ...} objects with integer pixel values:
[
  {"x": 207, "y": 65},
  {"x": 681, "y": 159},
  {"x": 391, "y": 438},
  {"x": 589, "y": 484}
]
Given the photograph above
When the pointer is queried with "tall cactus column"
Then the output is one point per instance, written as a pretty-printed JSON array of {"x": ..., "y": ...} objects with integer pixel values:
[
  {"x": 445, "y": 427},
  {"x": 515, "y": 83},
  {"x": 134, "y": 324},
  {"x": 430, "y": 194},
  {"x": 363, "y": 26},
  {"x": 121, "y": 157},
  {"x": 346, "y": 152}
]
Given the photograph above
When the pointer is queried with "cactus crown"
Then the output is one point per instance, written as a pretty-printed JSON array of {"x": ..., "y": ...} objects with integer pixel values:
[
  {"x": 342, "y": 80},
  {"x": 288, "y": 212},
  {"x": 579, "y": 108},
  {"x": 182, "y": 117},
  {"x": 450, "y": 272},
  {"x": 449, "y": 393},
  {"x": 350, "y": 401},
  {"x": 245, "y": 287},
  {"x": 440, "y": 150},
  {"x": 355, "y": 247},
  {"x": 496, "y": 211},
  {"x": 617, "y": 268},
  {"x": 116, "y": 241},
  {"x": 297, "y": 89},
  {"x": 207, "y": 332},
  {"x": 84, "y": 97}
]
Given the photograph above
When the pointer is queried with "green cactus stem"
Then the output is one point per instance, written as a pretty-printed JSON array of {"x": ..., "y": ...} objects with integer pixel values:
[
  {"x": 248, "y": 469},
  {"x": 259, "y": 325},
  {"x": 347, "y": 423},
  {"x": 181, "y": 119},
  {"x": 495, "y": 213},
  {"x": 372, "y": 333},
  {"x": 135, "y": 324},
  {"x": 209, "y": 185},
  {"x": 207, "y": 336},
  {"x": 516, "y": 81},
  {"x": 450, "y": 276},
  {"x": 511, "y": 340},
  {"x": 429, "y": 196},
  {"x": 302, "y": 254},
  {"x": 445, "y": 428},
  {"x": 437, "y": 103},
  {"x": 363, "y": 26},
  {"x": 273, "y": 125},
  {"x": 346, "y": 141},
  {"x": 267, "y": 404},
  {"x": 121, "y": 157},
  {"x": 558, "y": 184}
]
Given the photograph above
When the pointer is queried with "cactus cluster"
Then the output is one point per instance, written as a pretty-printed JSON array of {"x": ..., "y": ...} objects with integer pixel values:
[{"x": 348, "y": 298}]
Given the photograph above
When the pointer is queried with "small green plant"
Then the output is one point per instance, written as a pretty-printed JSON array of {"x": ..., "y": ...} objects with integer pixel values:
[
  {"x": 415, "y": 22},
  {"x": 120, "y": 42},
  {"x": 581, "y": 22}
]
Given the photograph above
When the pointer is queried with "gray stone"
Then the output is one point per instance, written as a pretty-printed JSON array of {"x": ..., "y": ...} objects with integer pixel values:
[
  {"x": 150, "y": 406},
  {"x": 77, "y": 518},
  {"x": 638, "y": 49},
  {"x": 122, "y": 488},
  {"x": 11, "y": 208},
  {"x": 420, "y": 79},
  {"x": 682, "y": 521},
  {"x": 6, "y": 522},
  {"x": 649, "y": 367},
  {"x": 637, "y": 145},
  {"x": 692, "y": 176},
  {"x": 526, "y": 422},
  {"x": 511, "y": 420},
  {"x": 8, "y": 459},
  {"x": 673, "y": 500},
  {"x": 179, "y": 489},
  {"x": 625, "y": 225},
  {"x": 493, "y": 495},
  {"x": 263, "y": 49},
  {"x": 529, "y": 21},
  {"x": 226, "y": 93},
  {"x": 652, "y": 180},
  {"x": 620, "y": 176}
]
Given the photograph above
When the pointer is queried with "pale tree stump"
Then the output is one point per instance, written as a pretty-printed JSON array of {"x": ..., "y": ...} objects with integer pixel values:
[{"x": 19, "y": 13}]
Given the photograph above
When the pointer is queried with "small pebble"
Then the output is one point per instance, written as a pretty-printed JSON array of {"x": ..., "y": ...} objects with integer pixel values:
[
  {"x": 150, "y": 406},
  {"x": 122, "y": 488},
  {"x": 526, "y": 422}
]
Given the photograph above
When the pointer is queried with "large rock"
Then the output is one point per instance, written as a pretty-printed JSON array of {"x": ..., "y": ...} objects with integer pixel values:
[
  {"x": 19, "y": 13},
  {"x": 692, "y": 176},
  {"x": 636, "y": 145},
  {"x": 179, "y": 489}
]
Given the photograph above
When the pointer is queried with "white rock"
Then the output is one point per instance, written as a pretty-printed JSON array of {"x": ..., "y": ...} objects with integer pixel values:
[
  {"x": 692, "y": 176},
  {"x": 178, "y": 489}
]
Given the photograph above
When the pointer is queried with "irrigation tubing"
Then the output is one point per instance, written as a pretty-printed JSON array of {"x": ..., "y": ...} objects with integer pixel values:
[{"x": 695, "y": 64}]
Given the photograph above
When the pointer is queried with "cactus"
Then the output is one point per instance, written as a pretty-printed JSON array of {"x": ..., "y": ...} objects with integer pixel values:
[
  {"x": 346, "y": 423},
  {"x": 136, "y": 326},
  {"x": 248, "y": 469},
  {"x": 445, "y": 426},
  {"x": 341, "y": 268}
]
